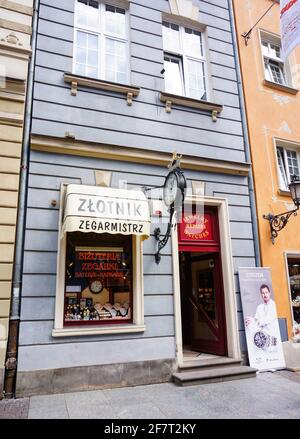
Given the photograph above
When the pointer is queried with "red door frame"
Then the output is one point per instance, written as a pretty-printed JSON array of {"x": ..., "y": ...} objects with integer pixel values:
[{"x": 210, "y": 244}]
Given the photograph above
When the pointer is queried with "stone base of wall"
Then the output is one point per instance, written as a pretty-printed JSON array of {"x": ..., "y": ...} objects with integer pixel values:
[
  {"x": 291, "y": 352},
  {"x": 2, "y": 370},
  {"x": 42, "y": 382}
]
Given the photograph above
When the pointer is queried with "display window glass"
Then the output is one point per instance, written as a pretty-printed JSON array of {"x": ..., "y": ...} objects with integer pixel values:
[
  {"x": 294, "y": 276},
  {"x": 98, "y": 279}
]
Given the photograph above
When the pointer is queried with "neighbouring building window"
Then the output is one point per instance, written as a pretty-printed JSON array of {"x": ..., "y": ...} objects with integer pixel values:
[
  {"x": 273, "y": 64},
  {"x": 294, "y": 278},
  {"x": 101, "y": 48},
  {"x": 288, "y": 164},
  {"x": 98, "y": 279},
  {"x": 184, "y": 61}
]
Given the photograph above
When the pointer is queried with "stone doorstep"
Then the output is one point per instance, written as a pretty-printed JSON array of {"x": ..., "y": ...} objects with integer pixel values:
[
  {"x": 293, "y": 369},
  {"x": 208, "y": 364},
  {"x": 213, "y": 375}
]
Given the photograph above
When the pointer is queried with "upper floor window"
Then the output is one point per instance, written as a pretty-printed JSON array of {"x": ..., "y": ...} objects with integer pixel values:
[
  {"x": 273, "y": 64},
  {"x": 184, "y": 61},
  {"x": 288, "y": 163},
  {"x": 101, "y": 41}
]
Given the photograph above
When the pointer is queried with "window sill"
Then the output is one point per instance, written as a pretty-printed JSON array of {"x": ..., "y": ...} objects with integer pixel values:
[
  {"x": 170, "y": 99},
  {"x": 103, "y": 330},
  {"x": 128, "y": 90},
  {"x": 284, "y": 193},
  {"x": 280, "y": 87}
]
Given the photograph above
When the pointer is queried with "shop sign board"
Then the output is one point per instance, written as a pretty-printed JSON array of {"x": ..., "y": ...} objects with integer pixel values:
[
  {"x": 196, "y": 227},
  {"x": 260, "y": 319},
  {"x": 106, "y": 210}
]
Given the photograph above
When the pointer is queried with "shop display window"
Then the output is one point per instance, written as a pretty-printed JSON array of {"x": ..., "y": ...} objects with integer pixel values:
[
  {"x": 294, "y": 275},
  {"x": 98, "y": 279}
]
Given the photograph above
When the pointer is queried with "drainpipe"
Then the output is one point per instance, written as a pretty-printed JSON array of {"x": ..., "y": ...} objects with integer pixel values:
[
  {"x": 14, "y": 319},
  {"x": 246, "y": 137}
]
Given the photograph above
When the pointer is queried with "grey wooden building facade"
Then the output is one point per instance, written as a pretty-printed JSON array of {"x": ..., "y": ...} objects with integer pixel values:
[{"x": 81, "y": 126}]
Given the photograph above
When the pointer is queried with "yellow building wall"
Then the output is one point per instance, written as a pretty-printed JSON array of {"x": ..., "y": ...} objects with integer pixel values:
[
  {"x": 15, "y": 34},
  {"x": 271, "y": 113}
]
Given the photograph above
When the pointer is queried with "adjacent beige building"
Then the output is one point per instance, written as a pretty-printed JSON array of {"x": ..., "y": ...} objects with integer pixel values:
[{"x": 15, "y": 35}]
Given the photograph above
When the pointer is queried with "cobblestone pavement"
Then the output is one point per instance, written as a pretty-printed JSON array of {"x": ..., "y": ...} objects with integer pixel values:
[{"x": 269, "y": 395}]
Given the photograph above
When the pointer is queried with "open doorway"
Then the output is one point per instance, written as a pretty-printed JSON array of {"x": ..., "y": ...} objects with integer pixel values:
[{"x": 202, "y": 304}]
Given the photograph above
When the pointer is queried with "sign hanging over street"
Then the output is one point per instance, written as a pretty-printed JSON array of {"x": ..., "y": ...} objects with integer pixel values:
[{"x": 290, "y": 26}]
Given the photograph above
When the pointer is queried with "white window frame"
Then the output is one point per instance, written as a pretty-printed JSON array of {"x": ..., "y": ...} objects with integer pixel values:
[
  {"x": 180, "y": 53},
  {"x": 102, "y": 35},
  {"x": 137, "y": 325},
  {"x": 289, "y": 255},
  {"x": 269, "y": 38},
  {"x": 287, "y": 177}
]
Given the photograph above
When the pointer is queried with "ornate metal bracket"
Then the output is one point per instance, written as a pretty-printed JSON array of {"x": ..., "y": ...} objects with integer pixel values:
[
  {"x": 161, "y": 243},
  {"x": 278, "y": 222}
]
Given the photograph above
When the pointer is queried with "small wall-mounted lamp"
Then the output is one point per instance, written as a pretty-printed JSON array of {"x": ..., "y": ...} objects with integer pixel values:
[{"x": 278, "y": 222}]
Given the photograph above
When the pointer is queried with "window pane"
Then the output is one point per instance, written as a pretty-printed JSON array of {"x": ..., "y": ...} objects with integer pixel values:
[
  {"x": 283, "y": 181},
  {"x": 81, "y": 39},
  {"x": 80, "y": 69},
  {"x": 268, "y": 71},
  {"x": 81, "y": 56},
  {"x": 196, "y": 79},
  {"x": 92, "y": 58},
  {"x": 86, "y": 54},
  {"x": 92, "y": 72},
  {"x": 292, "y": 163},
  {"x": 171, "y": 39},
  {"x": 116, "y": 61},
  {"x": 98, "y": 282},
  {"x": 87, "y": 13},
  {"x": 265, "y": 48},
  {"x": 173, "y": 75},
  {"x": 276, "y": 72},
  {"x": 193, "y": 43},
  {"x": 274, "y": 51},
  {"x": 115, "y": 20}
]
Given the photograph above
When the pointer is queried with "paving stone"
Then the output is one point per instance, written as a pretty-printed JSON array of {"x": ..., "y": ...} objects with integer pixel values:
[
  {"x": 48, "y": 413},
  {"x": 14, "y": 408},
  {"x": 139, "y": 411},
  {"x": 47, "y": 401},
  {"x": 95, "y": 411}
]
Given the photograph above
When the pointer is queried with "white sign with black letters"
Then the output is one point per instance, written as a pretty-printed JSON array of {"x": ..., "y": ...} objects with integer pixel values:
[{"x": 106, "y": 210}]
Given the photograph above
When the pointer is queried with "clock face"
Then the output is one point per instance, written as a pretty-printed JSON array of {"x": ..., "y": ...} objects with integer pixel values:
[
  {"x": 170, "y": 189},
  {"x": 96, "y": 286}
]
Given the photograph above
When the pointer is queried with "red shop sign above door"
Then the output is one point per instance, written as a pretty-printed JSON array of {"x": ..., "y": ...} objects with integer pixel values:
[{"x": 199, "y": 229}]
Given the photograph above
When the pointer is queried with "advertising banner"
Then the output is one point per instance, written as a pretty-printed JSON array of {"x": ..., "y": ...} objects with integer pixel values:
[
  {"x": 260, "y": 319},
  {"x": 290, "y": 26}
]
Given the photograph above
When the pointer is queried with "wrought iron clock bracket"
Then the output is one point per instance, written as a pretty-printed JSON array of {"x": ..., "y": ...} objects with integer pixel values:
[
  {"x": 162, "y": 242},
  {"x": 278, "y": 222}
]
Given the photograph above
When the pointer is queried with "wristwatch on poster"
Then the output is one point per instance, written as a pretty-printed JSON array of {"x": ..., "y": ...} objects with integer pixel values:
[
  {"x": 262, "y": 340},
  {"x": 96, "y": 286}
]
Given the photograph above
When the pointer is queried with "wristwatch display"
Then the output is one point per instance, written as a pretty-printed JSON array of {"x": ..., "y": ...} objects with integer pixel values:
[{"x": 262, "y": 340}]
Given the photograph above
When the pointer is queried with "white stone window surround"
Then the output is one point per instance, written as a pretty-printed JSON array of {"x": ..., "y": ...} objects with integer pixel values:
[
  {"x": 99, "y": 31},
  {"x": 274, "y": 39},
  {"x": 283, "y": 162},
  {"x": 181, "y": 53},
  {"x": 138, "y": 291}
]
